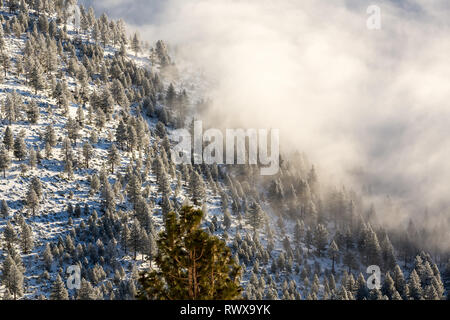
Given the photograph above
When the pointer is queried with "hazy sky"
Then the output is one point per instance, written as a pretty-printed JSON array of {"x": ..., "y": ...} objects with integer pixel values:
[{"x": 368, "y": 106}]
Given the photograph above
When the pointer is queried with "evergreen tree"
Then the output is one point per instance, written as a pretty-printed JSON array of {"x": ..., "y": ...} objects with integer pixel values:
[
  {"x": 414, "y": 287},
  {"x": 191, "y": 263},
  {"x": 349, "y": 260},
  {"x": 50, "y": 136},
  {"x": 388, "y": 288},
  {"x": 48, "y": 257},
  {"x": 13, "y": 278},
  {"x": 86, "y": 291},
  {"x": 197, "y": 187},
  {"x": 26, "y": 238},
  {"x": 59, "y": 291},
  {"x": 226, "y": 219},
  {"x": 36, "y": 78},
  {"x": 400, "y": 283},
  {"x": 255, "y": 216},
  {"x": 362, "y": 292},
  {"x": 320, "y": 238},
  {"x": 333, "y": 253},
  {"x": 136, "y": 239},
  {"x": 88, "y": 153},
  {"x": 134, "y": 187},
  {"x": 121, "y": 134},
  {"x": 136, "y": 44},
  {"x": 32, "y": 158},
  {"x": 33, "y": 112},
  {"x": 32, "y": 200},
  {"x": 387, "y": 253},
  {"x": 20, "y": 149},
  {"x": 5, "y": 161},
  {"x": 299, "y": 231},
  {"x": 8, "y": 138},
  {"x": 95, "y": 184},
  {"x": 10, "y": 236},
  {"x": 113, "y": 157},
  {"x": 4, "y": 209}
]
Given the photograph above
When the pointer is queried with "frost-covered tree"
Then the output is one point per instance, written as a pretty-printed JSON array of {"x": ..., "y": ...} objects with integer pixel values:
[
  {"x": 86, "y": 291},
  {"x": 32, "y": 201},
  {"x": 4, "y": 209},
  {"x": 10, "y": 236},
  {"x": 387, "y": 254},
  {"x": 136, "y": 238},
  {"x": 59, "y": 291},
  {"x": 88, "y": 153},
  {"x": 26, "y": 238},
  {"x": 113, "y": 157},
  {"x": 5, "y": 161},
  {"x": 197, "y": 187},
  {"x": 320, "y": 238},
  {"x": 33, "y": 112},
  {"x": 414, "y": 287},
  {"x": 12, "y": 277},
  {"x": 333, "y": 253},
  {"x": 136, "y": 44},
  {"x": 37, "y": 80},
  {"x": 8, "y": 138},
  {"x": 20, "y": 148}
]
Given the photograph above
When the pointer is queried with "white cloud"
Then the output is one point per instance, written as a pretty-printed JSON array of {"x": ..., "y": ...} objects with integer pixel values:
[{"x": 350, "y": 97}]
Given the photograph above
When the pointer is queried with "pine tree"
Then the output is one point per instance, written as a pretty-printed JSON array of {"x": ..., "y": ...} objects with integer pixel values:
[
  {"x": 8, "y": 138},
  {"x": 11, "y": 106},
  {"x": 10, "y": 236},
  {"x": 333, "y": 253},
  {"x": 362, "y": 292},
  {"x": 320, "y": 238},
  {"x": 400, "y": 283},
  {"x": 36, "y": 78},
  {"x": 86, "y": 291},
  {"x": 26, "y": 239},
  {"x": 414, "y": 287},
  {"x": 136, "y": 44},
  {"x": 134, "y": 187},
  {"x": 5, "y": 161},
  {"x": 33, "y": 112},
  {"x": 88, "y": 153},
  {"x": 226, "y": 219},
  {"x": 73, "y": 129},
  {"x": 197, "y": 187},
  {"x": 32, "y": 201},
  {"x": 387, "y": 253},
  {"x": 171, "y": 96},
  {"x": 20, "y": 149},
  {"x": 121, "y": 134},
  {"x": 388, "y": 288},
  {"x": 4, "y": 209},
  {"x": 37, "y": 186},
  {"x": 191, "y": 263},
  {"x": 136, "y": 239},
  {"x": 13, "y": 279},
  {"x": 113, "y": 157},
  {"x": 48, "y": 257},
  {"x": 349, "y": 260},
  {"x": 50, "y": 136},
  {"x": 255, "y": 216},
  {"x": 59, "y": 291},
  {"x": 95, "y": 184},
  {"x": 32, "y": 158}
]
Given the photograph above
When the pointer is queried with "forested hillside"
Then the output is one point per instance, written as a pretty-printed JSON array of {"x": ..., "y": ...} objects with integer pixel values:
[{"x": 87, "y": 179}]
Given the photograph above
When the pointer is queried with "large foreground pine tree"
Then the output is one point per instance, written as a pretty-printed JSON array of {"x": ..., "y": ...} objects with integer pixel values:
[{"x": 191, "y": 264}]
